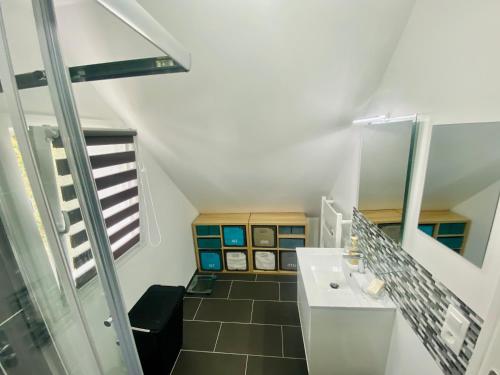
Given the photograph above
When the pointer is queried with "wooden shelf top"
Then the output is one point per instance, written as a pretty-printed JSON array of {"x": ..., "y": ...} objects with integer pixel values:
[
  {"x": 223, "y": 219},
  {"x": 278, "y": 218},
  {"x": 430, "y": 217},
  {"x": 442, "y": 216},
  {"x": 383, "y": 216}
]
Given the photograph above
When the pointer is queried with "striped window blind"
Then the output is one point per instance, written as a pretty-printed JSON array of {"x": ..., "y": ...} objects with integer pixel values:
[{"x": 113, "y": 159}]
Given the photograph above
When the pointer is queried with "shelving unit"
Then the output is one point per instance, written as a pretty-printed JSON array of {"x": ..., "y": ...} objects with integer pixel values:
[
  {"x": 290, "y": 231},
  {"x": 266, "y": 241},
  {"x": 447, "y": 227},
  {"x": 218, "y": 234}
]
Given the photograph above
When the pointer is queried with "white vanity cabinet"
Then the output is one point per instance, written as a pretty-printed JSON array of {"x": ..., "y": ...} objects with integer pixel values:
[{"x": 345, "y": 331}]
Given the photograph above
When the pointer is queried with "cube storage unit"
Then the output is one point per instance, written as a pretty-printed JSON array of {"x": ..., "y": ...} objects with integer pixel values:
[
  {"x": 221, "y": 242},
  {"x": 244, "y": 242},
  {"x": 275, "y": 236},
  {"x": 447, "y": 227}
]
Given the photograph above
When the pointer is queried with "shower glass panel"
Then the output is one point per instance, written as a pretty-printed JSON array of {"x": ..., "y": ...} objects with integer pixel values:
[{"x": 71, "y": 319}]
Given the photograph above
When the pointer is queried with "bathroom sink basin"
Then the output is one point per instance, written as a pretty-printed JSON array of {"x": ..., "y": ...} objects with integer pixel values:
[{"x": 320, "y": 269}]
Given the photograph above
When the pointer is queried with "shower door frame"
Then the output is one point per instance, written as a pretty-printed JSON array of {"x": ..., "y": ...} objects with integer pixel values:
[{"x": 73, "y": 139}]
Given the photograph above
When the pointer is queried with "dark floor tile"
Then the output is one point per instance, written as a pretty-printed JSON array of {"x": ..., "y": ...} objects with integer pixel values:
[
  {"x": 197, "y": 363},
  {"x": 284, "y": 278},
  {"x": 293, "y": 345},
  {"x": 200, "y": 335},
  {"x": 276, "y": 366},
  {"x": 224, "y": 310},
  {"x": 235, "y": 276},
  {"x": 190, "y": 306},
  {"x": 253, "y": 290},
  {"x": 267, "y": 312},
  {"x": 288, "y": 291},
  {"x": 250, "y": 339}
]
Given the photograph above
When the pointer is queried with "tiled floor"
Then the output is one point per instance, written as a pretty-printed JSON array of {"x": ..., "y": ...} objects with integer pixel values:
[{"x": 248, "y": 326}]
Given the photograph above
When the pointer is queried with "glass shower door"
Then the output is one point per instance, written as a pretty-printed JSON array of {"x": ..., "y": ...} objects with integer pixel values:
[{"x": 73, "y": 317}]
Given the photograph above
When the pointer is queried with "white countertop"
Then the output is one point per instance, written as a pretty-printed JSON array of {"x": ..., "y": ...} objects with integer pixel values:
[{"x": 318, "y": 267}]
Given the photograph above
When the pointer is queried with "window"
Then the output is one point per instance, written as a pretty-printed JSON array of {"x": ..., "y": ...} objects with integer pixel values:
[{"x": 112, "y": 156}]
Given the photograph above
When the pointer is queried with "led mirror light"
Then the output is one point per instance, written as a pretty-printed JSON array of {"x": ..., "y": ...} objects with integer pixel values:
[{"x": 137, "y": 18}]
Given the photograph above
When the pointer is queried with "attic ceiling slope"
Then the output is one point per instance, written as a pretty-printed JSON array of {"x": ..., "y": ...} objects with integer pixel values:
[{"x": 261, "y": 120}]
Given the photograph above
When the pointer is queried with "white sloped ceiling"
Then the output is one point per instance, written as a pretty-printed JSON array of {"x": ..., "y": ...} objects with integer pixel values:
[{"x": 260, "y": 121}]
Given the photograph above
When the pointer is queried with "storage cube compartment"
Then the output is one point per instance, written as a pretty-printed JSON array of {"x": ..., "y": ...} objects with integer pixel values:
[
  {"x": 210, "y": 260},
  {"x": 209, "y": 243},
  {"x": 427, "y": 228},
  {"x": 236, "y": 260},
  {"x": 265, "y": 260},
  {"x": 452, "y": 242},
  {"x": 234, "y": 235},
  {"x": 292, "y": 243},
  {"x": 451, "y": 228},
  {"x": 292, "y": 229},
  {"x": 288, "y": 261},
  {"x": 207, "y": 230},
  {"x": 264, "y": 235}
]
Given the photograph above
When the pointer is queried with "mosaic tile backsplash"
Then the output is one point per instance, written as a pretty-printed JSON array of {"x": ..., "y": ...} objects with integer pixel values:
[{"x": 422, "y": 299}]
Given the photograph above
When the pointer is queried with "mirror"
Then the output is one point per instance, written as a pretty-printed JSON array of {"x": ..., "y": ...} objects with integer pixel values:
[
  {"x": 386, "y": 155},
  {"x": 462, "y": 187}
]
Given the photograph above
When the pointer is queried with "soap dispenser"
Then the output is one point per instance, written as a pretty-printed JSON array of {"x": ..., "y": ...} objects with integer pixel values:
[{"x": 353, "y": 250}]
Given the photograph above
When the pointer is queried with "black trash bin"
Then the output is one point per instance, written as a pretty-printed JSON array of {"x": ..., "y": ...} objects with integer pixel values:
[{"x": 156, "y": 321}]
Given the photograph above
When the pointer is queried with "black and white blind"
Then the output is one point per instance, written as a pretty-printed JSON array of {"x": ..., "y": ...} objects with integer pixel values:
[{"x": 113, "y": 159}]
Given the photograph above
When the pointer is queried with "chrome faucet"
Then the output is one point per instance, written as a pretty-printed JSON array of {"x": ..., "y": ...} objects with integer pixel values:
[{"x": 361, "y": 260}]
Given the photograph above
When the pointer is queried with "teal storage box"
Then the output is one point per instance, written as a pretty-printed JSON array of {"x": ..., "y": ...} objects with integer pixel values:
[
  {"x": 298, "y": 230},
  {"x": 210, "y": 260},
  {"x": 209, "y": 243},
  {"x": 451, "y": 242},
  {"x": 207, "y": 230},
  {"x": 427, "y": 228},
  {"x": 234, "y": 235},
  {"x": 285, "y": 230},
  {"x": 452, "y": 228},
  {"x": 291, "y": 243}
]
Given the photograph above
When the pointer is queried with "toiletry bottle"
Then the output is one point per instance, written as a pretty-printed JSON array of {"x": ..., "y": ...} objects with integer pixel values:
[{"x": 354, "y": 250}]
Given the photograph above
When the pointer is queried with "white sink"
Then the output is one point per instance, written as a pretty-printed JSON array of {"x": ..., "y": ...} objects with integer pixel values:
[
  {"x": 343, "y": 328},
  {"x": 319, "y": 267}
]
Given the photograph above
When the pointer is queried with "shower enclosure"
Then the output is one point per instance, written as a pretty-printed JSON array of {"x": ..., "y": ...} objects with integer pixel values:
[{"x": 49, "y": 325}]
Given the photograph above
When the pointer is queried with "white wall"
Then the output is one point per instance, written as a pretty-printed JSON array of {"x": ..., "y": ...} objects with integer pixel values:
[
  {"x": 171, "y": 262},
  {"x": 407, "y": 355},
  {"x": 480, "y": 209},
  {"x": 345, "y": 188}
]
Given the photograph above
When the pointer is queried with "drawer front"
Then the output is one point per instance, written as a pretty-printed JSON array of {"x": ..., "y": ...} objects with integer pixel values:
[
  {"x": 264, "y": 236},
  {"x": 292, "y": 243},
  {"x": 211, "y": 260},
  {"x": 427, "y": 228},
  {"x": 209, "y": 243},
  {"x": 234, "y": 235},
  {"x": 292, "y": 229},
  {"x": 452, "y": 228},
  {"x": 265, "y": 260},
  {"x": 236, "y": 260},
  {"x": 288, "y": 261},
  {"x": 207, "y": 230},
  {"x": 452, "y": 242}
]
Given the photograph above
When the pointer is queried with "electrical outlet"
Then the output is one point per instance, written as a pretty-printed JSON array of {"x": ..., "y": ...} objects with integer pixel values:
[{"x": 454, "y": 329}]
